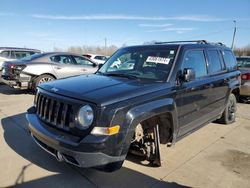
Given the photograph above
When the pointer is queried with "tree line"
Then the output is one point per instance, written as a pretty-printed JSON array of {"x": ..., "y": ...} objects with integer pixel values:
[
  {"x": 244, "y": 51},
  {"x": 109, "y": 50},
  {"x": 102, "y": 50}
]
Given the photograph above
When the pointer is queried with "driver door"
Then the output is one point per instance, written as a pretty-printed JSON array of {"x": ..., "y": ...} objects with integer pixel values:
[{"x": 84, "y": 66}]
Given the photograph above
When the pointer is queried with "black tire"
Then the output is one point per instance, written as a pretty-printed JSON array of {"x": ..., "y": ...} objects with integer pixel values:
[
  {"x": 42, "y": 79},
  {"x": 229, "y": 113}
]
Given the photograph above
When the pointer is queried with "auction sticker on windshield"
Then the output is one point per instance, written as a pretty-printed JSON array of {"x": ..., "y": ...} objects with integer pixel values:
[{"x": 161, "y": 60}]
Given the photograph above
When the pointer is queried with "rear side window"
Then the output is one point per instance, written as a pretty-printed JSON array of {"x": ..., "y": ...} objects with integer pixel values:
[
  {"x": 195, "y": 59},
  {"x": 62, "y": 59},
  {"x": 229, "y": 59},
  {"x": 214, "y": 61},
  {"x": 5, "y": 54}
]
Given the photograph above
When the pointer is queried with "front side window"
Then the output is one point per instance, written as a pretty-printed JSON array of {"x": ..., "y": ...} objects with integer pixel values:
[
  {"x": 82, "y": 61},
  {"x": 62, "y": 59},
  {"x": 5, "y": 54},
  {"x": 195, "y": 59},
  {"x": 142, "y": 63},
  {"x": 103, "y": 58},
  {"x": 214, "y": 61},
  {"x": 229, "y": 59}
]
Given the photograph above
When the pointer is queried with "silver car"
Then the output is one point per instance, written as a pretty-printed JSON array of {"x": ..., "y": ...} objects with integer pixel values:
[
  {"x": 244, "y": 67},
  {"x": 12, "y": 53},
  {"x": 28, "y": 72}
]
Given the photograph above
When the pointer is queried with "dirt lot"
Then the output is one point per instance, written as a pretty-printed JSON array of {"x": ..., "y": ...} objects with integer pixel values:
[{"x": 215, "y": 156}]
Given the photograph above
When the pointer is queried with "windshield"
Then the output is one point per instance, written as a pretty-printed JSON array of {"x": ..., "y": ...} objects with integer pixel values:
[
  {"x": 141, "y": 63},
  {"x": 32, "y": 57},
  {"x": 243, "y": 62}
]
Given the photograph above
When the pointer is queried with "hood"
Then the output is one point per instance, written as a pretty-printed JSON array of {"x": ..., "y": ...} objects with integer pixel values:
[{"x": 101, "y": 90}]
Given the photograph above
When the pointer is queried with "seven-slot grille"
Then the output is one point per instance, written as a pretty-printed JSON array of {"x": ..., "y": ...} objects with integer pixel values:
[{"x": 55, "y": 112}]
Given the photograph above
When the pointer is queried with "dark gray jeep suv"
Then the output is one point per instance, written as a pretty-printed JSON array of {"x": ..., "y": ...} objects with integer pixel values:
[{"x": 156, "y": 94}]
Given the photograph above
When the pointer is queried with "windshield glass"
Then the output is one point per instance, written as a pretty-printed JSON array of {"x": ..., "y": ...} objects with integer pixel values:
[
  {"x": 243, "y": 62},
  {"x": 32, "y": 57},
  {"x": 141, "y": 63}
]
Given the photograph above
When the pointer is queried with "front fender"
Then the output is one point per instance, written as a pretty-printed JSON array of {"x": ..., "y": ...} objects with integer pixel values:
[{"x": 145, "y": 111}]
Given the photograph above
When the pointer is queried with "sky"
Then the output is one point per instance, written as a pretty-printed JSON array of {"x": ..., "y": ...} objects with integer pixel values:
[{"x": 46, "y": 24}]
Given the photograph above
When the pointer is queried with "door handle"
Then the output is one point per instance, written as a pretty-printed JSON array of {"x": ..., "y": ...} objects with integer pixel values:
[
  {"x": 57, "y": 68},
  {"x": 83, "y": 69}
]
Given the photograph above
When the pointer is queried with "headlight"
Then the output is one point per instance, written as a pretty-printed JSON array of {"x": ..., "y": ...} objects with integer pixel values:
[{"x": 85, "y": 116}]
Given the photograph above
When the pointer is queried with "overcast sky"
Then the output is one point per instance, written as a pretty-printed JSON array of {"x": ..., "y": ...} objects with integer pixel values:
[{"x": 62, "y": 23}]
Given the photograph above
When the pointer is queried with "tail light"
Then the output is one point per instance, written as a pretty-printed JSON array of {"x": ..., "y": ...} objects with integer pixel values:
[
  {"x": 11, "y": 66},
  {"x": 245, "y": 76}
]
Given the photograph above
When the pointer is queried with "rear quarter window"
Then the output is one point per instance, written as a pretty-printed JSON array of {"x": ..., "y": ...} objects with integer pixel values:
[
  {"x": 5, "y": 54},
  {"x": 229, "y": 59}
]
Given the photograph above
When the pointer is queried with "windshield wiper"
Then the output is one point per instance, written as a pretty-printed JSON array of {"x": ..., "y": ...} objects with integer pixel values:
[{"x": 129, "y": 76}]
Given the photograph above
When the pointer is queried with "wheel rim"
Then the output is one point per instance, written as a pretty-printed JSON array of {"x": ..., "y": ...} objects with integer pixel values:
[
  {"x": 45, "y": 79},
  {"x": 231, "y": 110}
]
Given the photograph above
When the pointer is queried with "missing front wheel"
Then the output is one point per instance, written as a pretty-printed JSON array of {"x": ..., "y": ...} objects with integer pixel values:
[{"x": 146, "y": 143}]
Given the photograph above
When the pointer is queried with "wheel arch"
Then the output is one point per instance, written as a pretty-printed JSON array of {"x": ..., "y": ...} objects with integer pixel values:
[{"x": 152, "y": 110}]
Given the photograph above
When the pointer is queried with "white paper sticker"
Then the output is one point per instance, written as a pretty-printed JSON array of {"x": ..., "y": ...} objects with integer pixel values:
[{"x": 161, "y": 60}]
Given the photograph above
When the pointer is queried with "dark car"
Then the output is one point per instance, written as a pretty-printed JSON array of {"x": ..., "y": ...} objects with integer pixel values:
[
  {"x": 244, "y": 67},
  {"x": 170, "y": 90}
]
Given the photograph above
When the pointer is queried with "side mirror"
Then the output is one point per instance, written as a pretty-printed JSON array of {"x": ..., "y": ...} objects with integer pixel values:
[{"x": 188, "y": 74}]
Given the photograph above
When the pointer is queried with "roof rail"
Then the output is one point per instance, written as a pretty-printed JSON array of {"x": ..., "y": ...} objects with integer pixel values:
[
  {"x": 192, "y": 41},
  {"x": 17, "y": 48},
  {"x": 184, "y": 41}
]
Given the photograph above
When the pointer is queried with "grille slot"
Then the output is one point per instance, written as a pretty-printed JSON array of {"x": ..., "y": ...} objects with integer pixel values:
[{"x": 55, "y": 112}]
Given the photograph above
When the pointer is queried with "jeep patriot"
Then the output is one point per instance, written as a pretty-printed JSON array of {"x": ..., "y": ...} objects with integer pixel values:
[{"x": 156, "y": 94}]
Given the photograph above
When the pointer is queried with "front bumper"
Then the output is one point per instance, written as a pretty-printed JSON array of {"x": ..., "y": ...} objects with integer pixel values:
[
  {"x": 245, "y": 89},
  {"x": 64, "y": 149}
]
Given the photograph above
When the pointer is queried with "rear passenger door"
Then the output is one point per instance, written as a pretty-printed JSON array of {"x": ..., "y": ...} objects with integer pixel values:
[
  {"x": 216, "y": 68},
  {"x": 64, "y": 66},
  {"x": 193, "y": 97}
]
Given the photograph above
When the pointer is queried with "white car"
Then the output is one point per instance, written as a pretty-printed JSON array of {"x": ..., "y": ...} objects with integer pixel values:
[
  {"x": 97, "y": 58},
  {"x": 10, "y": 54}
]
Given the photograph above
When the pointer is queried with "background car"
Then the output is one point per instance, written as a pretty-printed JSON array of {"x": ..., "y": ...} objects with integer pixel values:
[
  {"x": 28, "y": 72},
  {"x": 10, "y": 54},
  {"x": 244, "y": 67},
  {"x": 99, "y": 59}
]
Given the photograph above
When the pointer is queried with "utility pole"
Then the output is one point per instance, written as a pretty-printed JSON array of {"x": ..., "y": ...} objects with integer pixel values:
[
  {"x": 235, "y": 28},
  {"x": 105, "y": 45}
]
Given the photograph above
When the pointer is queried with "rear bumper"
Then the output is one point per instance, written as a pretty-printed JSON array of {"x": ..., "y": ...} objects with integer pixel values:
[
  {"x": 68, "y": 150},
  {"x": 245, "y": 89},
  {"x": 15, "y": 83}
]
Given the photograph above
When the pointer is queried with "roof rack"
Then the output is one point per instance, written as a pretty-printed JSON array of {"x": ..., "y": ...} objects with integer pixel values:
[
  {"x": 191, "y": 41},
  {"x": 184, "y": 41}
]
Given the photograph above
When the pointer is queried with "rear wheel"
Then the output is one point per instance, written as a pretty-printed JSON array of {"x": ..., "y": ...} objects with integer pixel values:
[
  {"x": 229, "y": 113},
  {"x": 42, "y": 79}
]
